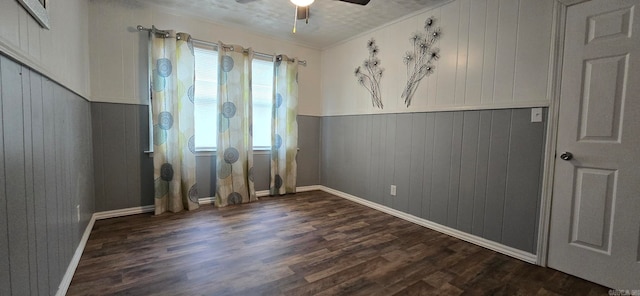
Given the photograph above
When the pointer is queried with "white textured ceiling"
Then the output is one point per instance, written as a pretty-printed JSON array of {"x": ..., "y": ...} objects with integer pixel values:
[{"x": 331, "y": 21}]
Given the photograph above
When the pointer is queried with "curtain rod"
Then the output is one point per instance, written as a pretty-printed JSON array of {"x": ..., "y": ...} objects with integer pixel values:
[{"x": 165, "y": 34}]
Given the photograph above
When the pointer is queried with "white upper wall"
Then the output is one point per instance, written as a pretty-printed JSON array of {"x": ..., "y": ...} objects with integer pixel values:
[
  {"x": 61, "y": 53},
  {"x": 118, "y": 52},
  {"x": 494, "y": 54}
]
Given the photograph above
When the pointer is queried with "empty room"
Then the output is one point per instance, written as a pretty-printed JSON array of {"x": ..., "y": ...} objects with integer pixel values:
[{"x": 327, "y": 147}]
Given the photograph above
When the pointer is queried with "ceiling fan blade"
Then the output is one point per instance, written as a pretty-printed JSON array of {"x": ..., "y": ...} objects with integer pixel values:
[{"x": 360, "y": 2}]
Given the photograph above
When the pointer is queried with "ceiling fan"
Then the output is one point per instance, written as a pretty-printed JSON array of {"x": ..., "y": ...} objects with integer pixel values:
[{"x": 302, "y": 8}]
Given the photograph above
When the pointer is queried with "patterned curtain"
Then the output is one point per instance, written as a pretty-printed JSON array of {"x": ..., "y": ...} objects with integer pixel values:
[
  {"x": 172, "y": 64},
  {"x": 284, "y": 129},
  {"x": 234, "y": 165}
]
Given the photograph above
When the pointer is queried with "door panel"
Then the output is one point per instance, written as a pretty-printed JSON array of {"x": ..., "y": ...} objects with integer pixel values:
[{"x": 595, "y": 216}]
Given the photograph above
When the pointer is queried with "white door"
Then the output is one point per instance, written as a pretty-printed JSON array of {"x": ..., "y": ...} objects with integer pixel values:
[{"x": 595, "y": 216}]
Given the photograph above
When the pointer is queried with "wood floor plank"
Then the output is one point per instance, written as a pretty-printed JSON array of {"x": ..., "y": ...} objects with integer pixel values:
[{"x": 310, "y": 243}]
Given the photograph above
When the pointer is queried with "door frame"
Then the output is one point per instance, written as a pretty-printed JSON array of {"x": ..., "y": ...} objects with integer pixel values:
[{"x": 553, "y": 93}]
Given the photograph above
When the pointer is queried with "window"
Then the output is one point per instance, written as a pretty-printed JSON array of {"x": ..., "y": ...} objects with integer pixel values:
[{"x": 206, "y": 104}]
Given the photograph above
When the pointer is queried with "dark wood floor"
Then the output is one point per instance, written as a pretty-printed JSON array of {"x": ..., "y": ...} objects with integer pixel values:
[{"x": 303, "y": 244}]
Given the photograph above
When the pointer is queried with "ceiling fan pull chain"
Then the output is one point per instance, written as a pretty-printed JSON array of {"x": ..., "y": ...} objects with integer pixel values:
[{"x": 295, "y": 20}]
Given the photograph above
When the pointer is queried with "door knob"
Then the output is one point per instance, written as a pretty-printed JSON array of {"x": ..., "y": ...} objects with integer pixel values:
[{"x": 566, "y": 156}]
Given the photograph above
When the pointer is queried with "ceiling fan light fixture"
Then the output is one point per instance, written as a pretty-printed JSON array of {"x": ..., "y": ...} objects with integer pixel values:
[{"x": 302, "y": 2}]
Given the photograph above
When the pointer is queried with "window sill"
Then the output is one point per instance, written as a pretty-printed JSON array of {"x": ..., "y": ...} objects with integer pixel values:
[{"x": 213, "y": 152}]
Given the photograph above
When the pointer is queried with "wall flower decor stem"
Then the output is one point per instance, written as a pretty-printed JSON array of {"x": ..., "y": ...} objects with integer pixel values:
[
  {"x": 370, "y": 74},
  {"x": 419, "y": 62}
]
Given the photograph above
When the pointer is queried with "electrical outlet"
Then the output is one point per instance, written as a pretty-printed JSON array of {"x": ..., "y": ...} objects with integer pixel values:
[
  {"x": 393, "y": 190},
  {"x": 78, "y": 213}
]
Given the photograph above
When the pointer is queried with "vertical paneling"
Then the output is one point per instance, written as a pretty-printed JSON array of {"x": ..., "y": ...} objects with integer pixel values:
[
  {"x": 375, "y": 157},
  {"x": 429, "y": 144},
  {"x": 441, "y": 172},
  {"x": 34, "y": 30},
  {"x": 60, "y": 177},
  {"x": 10, "y": 16},
  {"x": 146, "y": 162},
  {"x": 53, "y": 229},
  {"x": 66, "y": 61},
  {"x": 132, "y": 156},
  {"x": 367, "y": 174},
  {"x": 309, "y": 155},
  {"x": 454, "y": 179},
  {"x": 348, "y": 162},
  {"x": 359, "y": 165},
  {"x": 324, "y": 148},
  {"x": 402, "y": 170},
  {"x": 336, "y": 143},
  {"x": 490, "y": 51},
  {"x": 475, "y": 53},
  {"x": 416, "y": 164},
  {"x": 261, "y": 169},
  {"x": 468, "y": 157},
  {"x": 39, "y": 183},
  {"x": 45, "y": 170},
  {"x": 506, "y": 50},
  {"x": 532, "y": 56},
  {"x": 98, "y": 160},
  {"x": 494, "y": 54},
  {"x": 366, "y": 153},
  {"x": 482, "y": 168},
  {"x": 432, "y": 80},
  {"x": 378, "y": 133},
  {"x": 204, "y": 176},
  {"x": 123, "y": 172},
  {"x": 523, "y": 186},
  {"x": 5, "y": 272},
  {"x": 28, "y": 179},
  {"x": 497, "y": 174},
  {"x": 389, "y": 158},
  {"x": 24, "y": 19},
  {"x": 463, "y": 51},
  {"x": 12, "y": 116},
  {"x": 475, "y": 171},
  {"x": 120, "y": 137},
  {"x": 114, "y": 155},
  {"x": 449, "y": 22}
]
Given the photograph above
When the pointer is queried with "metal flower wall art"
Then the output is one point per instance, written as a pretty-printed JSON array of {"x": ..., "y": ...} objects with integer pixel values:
[
  {"x": 419, "y": 62},
  {"x": 370, "y": 74}
]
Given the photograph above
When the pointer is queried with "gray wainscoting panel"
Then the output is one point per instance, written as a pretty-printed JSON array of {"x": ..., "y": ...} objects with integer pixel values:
[
  {"x": 309, "y": 154},
  {"x": 523, "y": 187},
  {"x": 475, "y": 171},
  {"x": 124, "y": 173},
  {"x": 497, "y": 174},
  {"x": 205, "y": 173},
  {"x": 429, "y": 144},
  {"x": 416, "y": 162},
  {"x": 441, "y": 171},
  {"x": 468, "y": 166},
  {"x": 401, "y": 177},
  {"x": 480, "y": 192},
  {"x": 46, "y": 171}
]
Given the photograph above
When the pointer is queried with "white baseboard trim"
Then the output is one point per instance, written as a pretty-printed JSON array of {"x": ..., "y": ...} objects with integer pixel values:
[
  {"x": 485, "y": 243},
  {"x": 124, "y": 212},
  {"x": 308, "y": 188},
  {"x": 71, "y": 269},
  {"x": 261, "y": 193}
]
